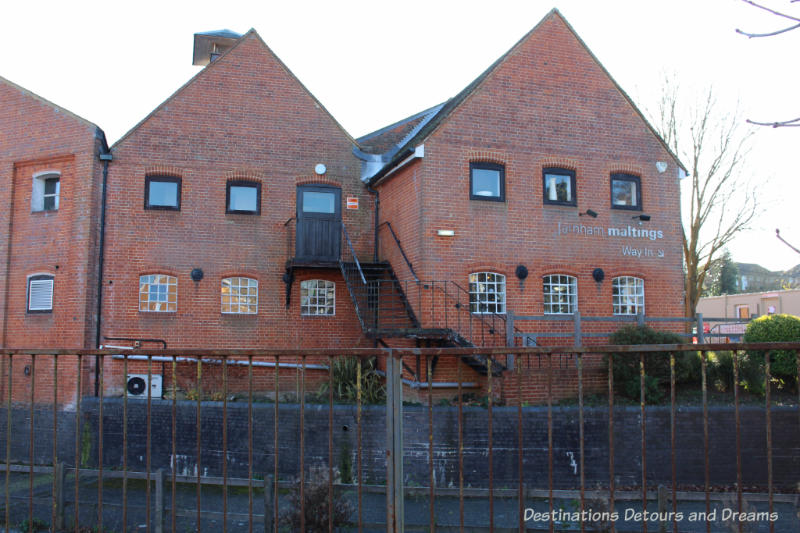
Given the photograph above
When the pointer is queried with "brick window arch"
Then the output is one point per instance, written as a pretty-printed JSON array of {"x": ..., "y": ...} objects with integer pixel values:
[{"x": 487, "y": 293}]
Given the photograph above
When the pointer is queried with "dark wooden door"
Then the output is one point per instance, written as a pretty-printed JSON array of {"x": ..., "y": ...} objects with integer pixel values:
[{"x": 319, "y": 223}]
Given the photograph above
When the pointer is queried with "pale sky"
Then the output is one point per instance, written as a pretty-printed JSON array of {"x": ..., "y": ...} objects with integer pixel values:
[{"x": 372, "y": 63}]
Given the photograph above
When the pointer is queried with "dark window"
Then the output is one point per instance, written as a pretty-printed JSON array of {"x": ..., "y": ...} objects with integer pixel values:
[
  {"x": 626, "y": 192},
  {"x": 40, "y": 294},
  {"x": 162, "y": 192},
  {"x": 243, "y": 197},
  {"x": 51, "y": 190},
  {"x": 487, "y": 182},
  {"x": 559, "y": 186}
]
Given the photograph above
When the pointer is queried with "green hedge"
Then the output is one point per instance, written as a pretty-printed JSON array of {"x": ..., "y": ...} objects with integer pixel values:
[
  {"x": 656, "y": 364},
  {"x": 776, "y": 328}
]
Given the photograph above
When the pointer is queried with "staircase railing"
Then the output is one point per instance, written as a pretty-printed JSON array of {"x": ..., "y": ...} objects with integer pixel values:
[
  {"x": 357, "y": 285},
  {"x": 400, "y": 247}
]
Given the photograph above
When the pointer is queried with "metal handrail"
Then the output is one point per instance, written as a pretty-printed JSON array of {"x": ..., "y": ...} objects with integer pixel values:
[
  {"x": 353, "y": 252},
  {"x": 400, "y": 247},
  {"x": 478, "y": 316}
]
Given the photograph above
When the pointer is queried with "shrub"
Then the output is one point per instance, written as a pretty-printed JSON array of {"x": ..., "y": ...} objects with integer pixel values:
[
  {"x": 315, "y": 507},
  {"x": 345, "y": 379},
  {"x": 776, "y": 328},
  {"x": 720, "y": 372},
  {"x": 656, "y": 364}
]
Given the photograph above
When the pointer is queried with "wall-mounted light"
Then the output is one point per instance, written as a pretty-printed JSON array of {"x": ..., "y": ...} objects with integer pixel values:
[
  {"x": 588, "y": 213},
  {"x": 320, "y": 169},
  {"x": 661, "y": 166},
  {"x": 445, "y": 233},
  {"x": 598, "y": 274},
  {"x": 643, "y": 218},
  {"x": 197, "y": 274}
]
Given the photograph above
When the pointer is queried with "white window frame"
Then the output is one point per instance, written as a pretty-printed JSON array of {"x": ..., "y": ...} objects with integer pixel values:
[
  {"x": 241, "y": 295},
  {"x": 147, "y": 282},
  {"x": 38, "y": 190},
  {"x": 560, "y": 292},
  {"x": 310, "y": 289},
  {"x": 487, "y": 293},
  {"x": 627, "y": 295},
  {"x": 46, "y": 283}
]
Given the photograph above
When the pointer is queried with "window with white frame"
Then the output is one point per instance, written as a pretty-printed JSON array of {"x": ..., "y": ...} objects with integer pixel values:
[
  {"x": 240, "y": 296},
  {"x": 487, "y": 293},
  {"x": 46, "y": 191},
  {"x": 40, "y": 293},
  {"x": 627, "y": 295},
  {"x": 560, "y": 294},
  {"x": 159, "y": 293},
  {"x": 317, "y": 297}
]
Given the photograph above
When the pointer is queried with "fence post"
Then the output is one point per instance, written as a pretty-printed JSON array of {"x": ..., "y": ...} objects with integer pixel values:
[
  {"x": 394, "y": 444},
  {"x": 160, "y": 501},
  {"x": 662, "y": 507},
  {"x": 701, "y": 339},
  {"x": 60, "y": 473},
  {"x": 269, "y": 505},
  {"x": 510, "y": 341},
  {"x": 578, "y": 337},
  {"x": 509, "y": 328}
]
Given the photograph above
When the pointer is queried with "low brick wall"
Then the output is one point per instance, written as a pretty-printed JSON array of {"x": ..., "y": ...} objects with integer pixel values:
[{"x": 566, "y": 442}]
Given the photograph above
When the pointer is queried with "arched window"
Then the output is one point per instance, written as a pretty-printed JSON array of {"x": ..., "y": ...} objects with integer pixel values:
[
  {"x": 46, "y": 191},
  {"x": 487, "y": 293},
  {"x": 317, "y": 297},
  {"x": 239, "y": 296},
  {"x": 627, "y": 295},
  {"x": 158, "y": 292},
  {"x": 560, "y": 294}
]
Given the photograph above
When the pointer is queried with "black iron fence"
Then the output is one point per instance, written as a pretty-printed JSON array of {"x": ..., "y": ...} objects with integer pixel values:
[{"x": 303, "y": 440}]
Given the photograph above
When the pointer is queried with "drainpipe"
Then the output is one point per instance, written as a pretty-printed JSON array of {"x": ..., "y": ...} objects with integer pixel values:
[
  {"x": 377, "y": 220},
  {"x": 105, "y": 157}
]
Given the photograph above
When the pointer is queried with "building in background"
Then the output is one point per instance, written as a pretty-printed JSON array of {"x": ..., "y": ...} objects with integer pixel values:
[{"x": 239, "y": 214}]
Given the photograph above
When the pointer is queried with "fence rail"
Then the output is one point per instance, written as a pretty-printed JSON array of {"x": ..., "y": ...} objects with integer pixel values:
[{"x": 542, "y": 440}]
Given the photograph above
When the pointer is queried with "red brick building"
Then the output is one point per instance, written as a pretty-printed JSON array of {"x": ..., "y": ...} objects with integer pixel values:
[{"x": 239, "y": 214}]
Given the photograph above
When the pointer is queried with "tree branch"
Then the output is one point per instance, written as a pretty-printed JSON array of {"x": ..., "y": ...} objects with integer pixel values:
[
  {"x": 765, "y": 8},
  {"x": 794, "y": 123},
  {"x": 770, "y": 34}
]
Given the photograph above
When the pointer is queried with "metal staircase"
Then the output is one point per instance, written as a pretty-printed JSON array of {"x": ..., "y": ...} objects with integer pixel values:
[{"x": 384, "y": 312}]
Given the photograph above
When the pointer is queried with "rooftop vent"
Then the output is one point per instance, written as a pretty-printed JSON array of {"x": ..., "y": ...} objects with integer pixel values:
[{"x": 209, "y": 45}]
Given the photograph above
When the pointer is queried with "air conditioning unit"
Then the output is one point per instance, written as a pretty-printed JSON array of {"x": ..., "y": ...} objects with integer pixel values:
[{"x": 137, "y": 385}]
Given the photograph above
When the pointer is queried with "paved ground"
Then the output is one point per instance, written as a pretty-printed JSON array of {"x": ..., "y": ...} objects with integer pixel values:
[{"x": 476, "y": 510}]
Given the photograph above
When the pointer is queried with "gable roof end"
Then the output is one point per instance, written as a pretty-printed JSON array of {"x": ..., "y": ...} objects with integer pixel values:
[
  {"x": 252, "y": 33},
  {"x": 448, "y": 107}
]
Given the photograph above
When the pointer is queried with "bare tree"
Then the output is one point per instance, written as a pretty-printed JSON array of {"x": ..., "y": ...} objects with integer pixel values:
[
  {"x": 718, "y": 200},
  {"x": 795, "y": 24}
]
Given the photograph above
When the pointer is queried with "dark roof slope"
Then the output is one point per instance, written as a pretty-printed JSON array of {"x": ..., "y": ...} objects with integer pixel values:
[
  {"x": 384, "y": 139},
  {"x": 454, "y": 102}
]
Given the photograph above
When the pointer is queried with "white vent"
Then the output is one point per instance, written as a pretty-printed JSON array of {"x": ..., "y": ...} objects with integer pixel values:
[
  {"x": 137, "y": 386},
  {"x": 40, "y": 294}
]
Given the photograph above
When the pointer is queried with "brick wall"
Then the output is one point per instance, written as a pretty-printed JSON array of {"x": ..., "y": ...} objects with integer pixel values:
[
  {"x": 548, "y": 103},
  {"x": 244, "y": 116},
  {"x": 627, "y": 442}
]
